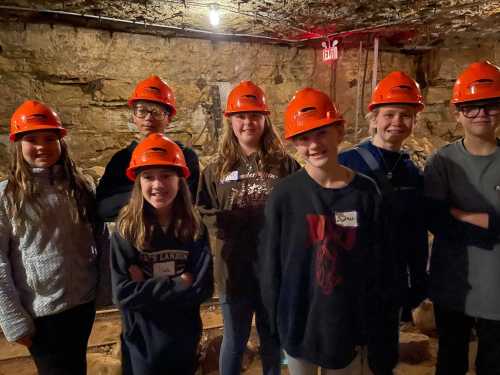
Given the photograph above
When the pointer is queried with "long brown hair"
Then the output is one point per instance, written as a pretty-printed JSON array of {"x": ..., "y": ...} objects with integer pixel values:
[
  {"x": 229, "y": 150},
  {"x": 21, "y": 190},
  {"x": 137, "y": 219}
]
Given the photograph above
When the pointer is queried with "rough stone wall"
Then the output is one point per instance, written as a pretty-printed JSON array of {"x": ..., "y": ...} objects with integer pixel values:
[
  {"x": 87, "y": 76},
  {"x": 436, "y": 71},
  {"x": 442, "y": 67}
]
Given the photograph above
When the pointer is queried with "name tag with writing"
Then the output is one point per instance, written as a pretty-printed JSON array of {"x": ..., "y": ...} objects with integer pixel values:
[
  {"x": 346, "y": 219},
  {"x": 233, "y": 176},
  {"x": 164, "y": 269}
]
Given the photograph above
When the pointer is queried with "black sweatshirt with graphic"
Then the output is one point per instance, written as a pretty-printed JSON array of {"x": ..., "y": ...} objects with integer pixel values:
[
  {"x": 114, "y": 188},
  {"x": 161, "y": 315},
  {"x": 324, "y": 275}
]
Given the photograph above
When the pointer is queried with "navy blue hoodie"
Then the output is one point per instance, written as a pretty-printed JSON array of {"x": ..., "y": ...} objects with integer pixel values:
[
  {"x": 161, "y": 316},
  {"x": 406, "y": 206}
]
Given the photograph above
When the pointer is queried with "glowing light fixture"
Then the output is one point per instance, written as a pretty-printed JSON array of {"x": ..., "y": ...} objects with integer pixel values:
[{"x": 213, "y": 15}]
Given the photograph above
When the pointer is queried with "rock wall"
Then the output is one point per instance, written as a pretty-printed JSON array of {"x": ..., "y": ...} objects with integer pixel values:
[
  {"x": 441, "y": 68},
  {"x": 87, "y": 76}
]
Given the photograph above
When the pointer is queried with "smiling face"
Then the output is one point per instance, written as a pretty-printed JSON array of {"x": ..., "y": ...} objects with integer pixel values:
[
  {"x": 159, "y": 187},
  {"x": 150, "y": 117},
  {"x": 248, "y": 128},
  {"x": 41, "y": 149},
  {"x": 480, "y": 119},
  {"x": 393, "y": 124},
  {"x": 319, "y": 147}
]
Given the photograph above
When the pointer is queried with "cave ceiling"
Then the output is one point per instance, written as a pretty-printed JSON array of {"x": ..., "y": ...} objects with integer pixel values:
[{"x": 401, "y": 23}]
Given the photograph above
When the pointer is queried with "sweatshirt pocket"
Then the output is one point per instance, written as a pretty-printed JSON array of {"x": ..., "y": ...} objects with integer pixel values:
[{"x": 45, "y": 274}]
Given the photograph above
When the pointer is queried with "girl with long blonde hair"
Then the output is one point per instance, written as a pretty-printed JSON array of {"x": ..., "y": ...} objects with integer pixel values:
[
  {"x": 161, "y": 267},
  {"x": 48, "y": 251},
  {"x": 251, "y": 159}
]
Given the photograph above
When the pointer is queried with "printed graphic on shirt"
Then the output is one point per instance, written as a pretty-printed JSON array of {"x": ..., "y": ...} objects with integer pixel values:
[
  {"x": 330, "y": 239},
  {"x": 164, "y": 263},
  {"x": 252, "y": 189}
]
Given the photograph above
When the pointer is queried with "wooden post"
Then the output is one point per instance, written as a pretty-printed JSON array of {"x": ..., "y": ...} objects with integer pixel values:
[{"x": 358, "y": 91}]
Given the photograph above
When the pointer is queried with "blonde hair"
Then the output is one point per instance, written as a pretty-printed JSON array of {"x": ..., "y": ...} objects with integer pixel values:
[
  {"x": 229, "y": 150},
  {"x": 136, "y": 220},
  {"x": 21, "y": 190}
]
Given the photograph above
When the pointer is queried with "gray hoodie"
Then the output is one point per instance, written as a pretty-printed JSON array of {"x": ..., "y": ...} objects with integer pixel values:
[{"x": 48, "y": 264}]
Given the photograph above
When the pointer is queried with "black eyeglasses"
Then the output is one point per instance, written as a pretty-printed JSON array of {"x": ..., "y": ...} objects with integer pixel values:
[
  {"x": 156, "y": 113},
  {"x": 472, "y": 110}
]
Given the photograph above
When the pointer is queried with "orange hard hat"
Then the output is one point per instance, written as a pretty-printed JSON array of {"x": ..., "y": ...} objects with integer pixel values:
[
  {"x": 156, "y": 150},
  {"x": 33, "y": 115},
  {"x": 397, "y": 88},
  {"x": 310, "y": 109},
  {"x": 246, "y": 97},
  {"x": 154, "y": 89},
  {"x": 479, "y": 81}
]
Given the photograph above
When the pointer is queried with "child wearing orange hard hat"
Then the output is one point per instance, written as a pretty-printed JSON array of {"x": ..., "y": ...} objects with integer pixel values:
[
  {"x": 234, "y": 187},
  {"x": 392, "y": 116},
  {"x": 48, "y": 249},
  {"x": 153, "y": 106},
  {"x": 161, "y": 264},
  {"x": 321, "y": 256},
  {"x": 462, "y": 184}
]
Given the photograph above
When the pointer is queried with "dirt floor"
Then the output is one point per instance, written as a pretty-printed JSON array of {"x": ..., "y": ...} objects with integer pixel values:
[{"x": 103, "y": 352}]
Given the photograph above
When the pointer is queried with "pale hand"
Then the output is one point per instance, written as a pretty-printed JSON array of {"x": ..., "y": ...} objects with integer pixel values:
[
  {"x": 187, "y": 278},
  {"x": 479, "y": 219},
  {"x": 136, "y": 273}
]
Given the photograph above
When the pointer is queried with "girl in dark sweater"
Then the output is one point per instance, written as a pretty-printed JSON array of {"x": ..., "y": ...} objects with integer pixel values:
[
  {"x": 233, "y": 189},
  {"x": 161, "y": 264}
]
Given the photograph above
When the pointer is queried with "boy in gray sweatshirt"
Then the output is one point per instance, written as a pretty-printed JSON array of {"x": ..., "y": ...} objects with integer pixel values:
[{"x": 462, "y": 183}]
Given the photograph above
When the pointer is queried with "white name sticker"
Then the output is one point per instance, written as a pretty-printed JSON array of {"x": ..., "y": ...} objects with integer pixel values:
[
  {"x": 346, "y": 219},
  {"x": 164, "y": 269},
  {"x": 233, "y": 176}
]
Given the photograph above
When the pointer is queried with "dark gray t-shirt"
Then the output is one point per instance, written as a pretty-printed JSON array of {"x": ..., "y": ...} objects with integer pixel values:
[{"x": 470, "y": 183}]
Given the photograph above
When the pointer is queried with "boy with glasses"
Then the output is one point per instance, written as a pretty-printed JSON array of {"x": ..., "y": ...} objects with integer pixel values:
[
  {"x": 462, "y": 184},
  {"x": 153, "y": 105}
]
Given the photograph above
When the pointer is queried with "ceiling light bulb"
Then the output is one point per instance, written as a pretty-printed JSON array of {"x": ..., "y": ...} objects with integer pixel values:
[{"x": 213, "y": 15}]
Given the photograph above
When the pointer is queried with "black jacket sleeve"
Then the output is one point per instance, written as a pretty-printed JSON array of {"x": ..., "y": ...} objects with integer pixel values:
[
  {"x": 193, "y": 165},
  {"x": 113, "y": 190},
  {"x": 381, "y": 300},
  {"x": 268, "y": 263},
  {"x": 207, "y": 200},
  {"x": 418, "y": 256},
  {"x": 143, "y": 295},
  {"x": 494, "y": 224}
]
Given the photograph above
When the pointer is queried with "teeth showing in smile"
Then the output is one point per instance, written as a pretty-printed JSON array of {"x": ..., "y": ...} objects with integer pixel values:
[{"x": 317, "y": 154}]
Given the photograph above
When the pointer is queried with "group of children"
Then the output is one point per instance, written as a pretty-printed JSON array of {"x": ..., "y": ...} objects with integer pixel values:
[{"x": 329, "y": 257}]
